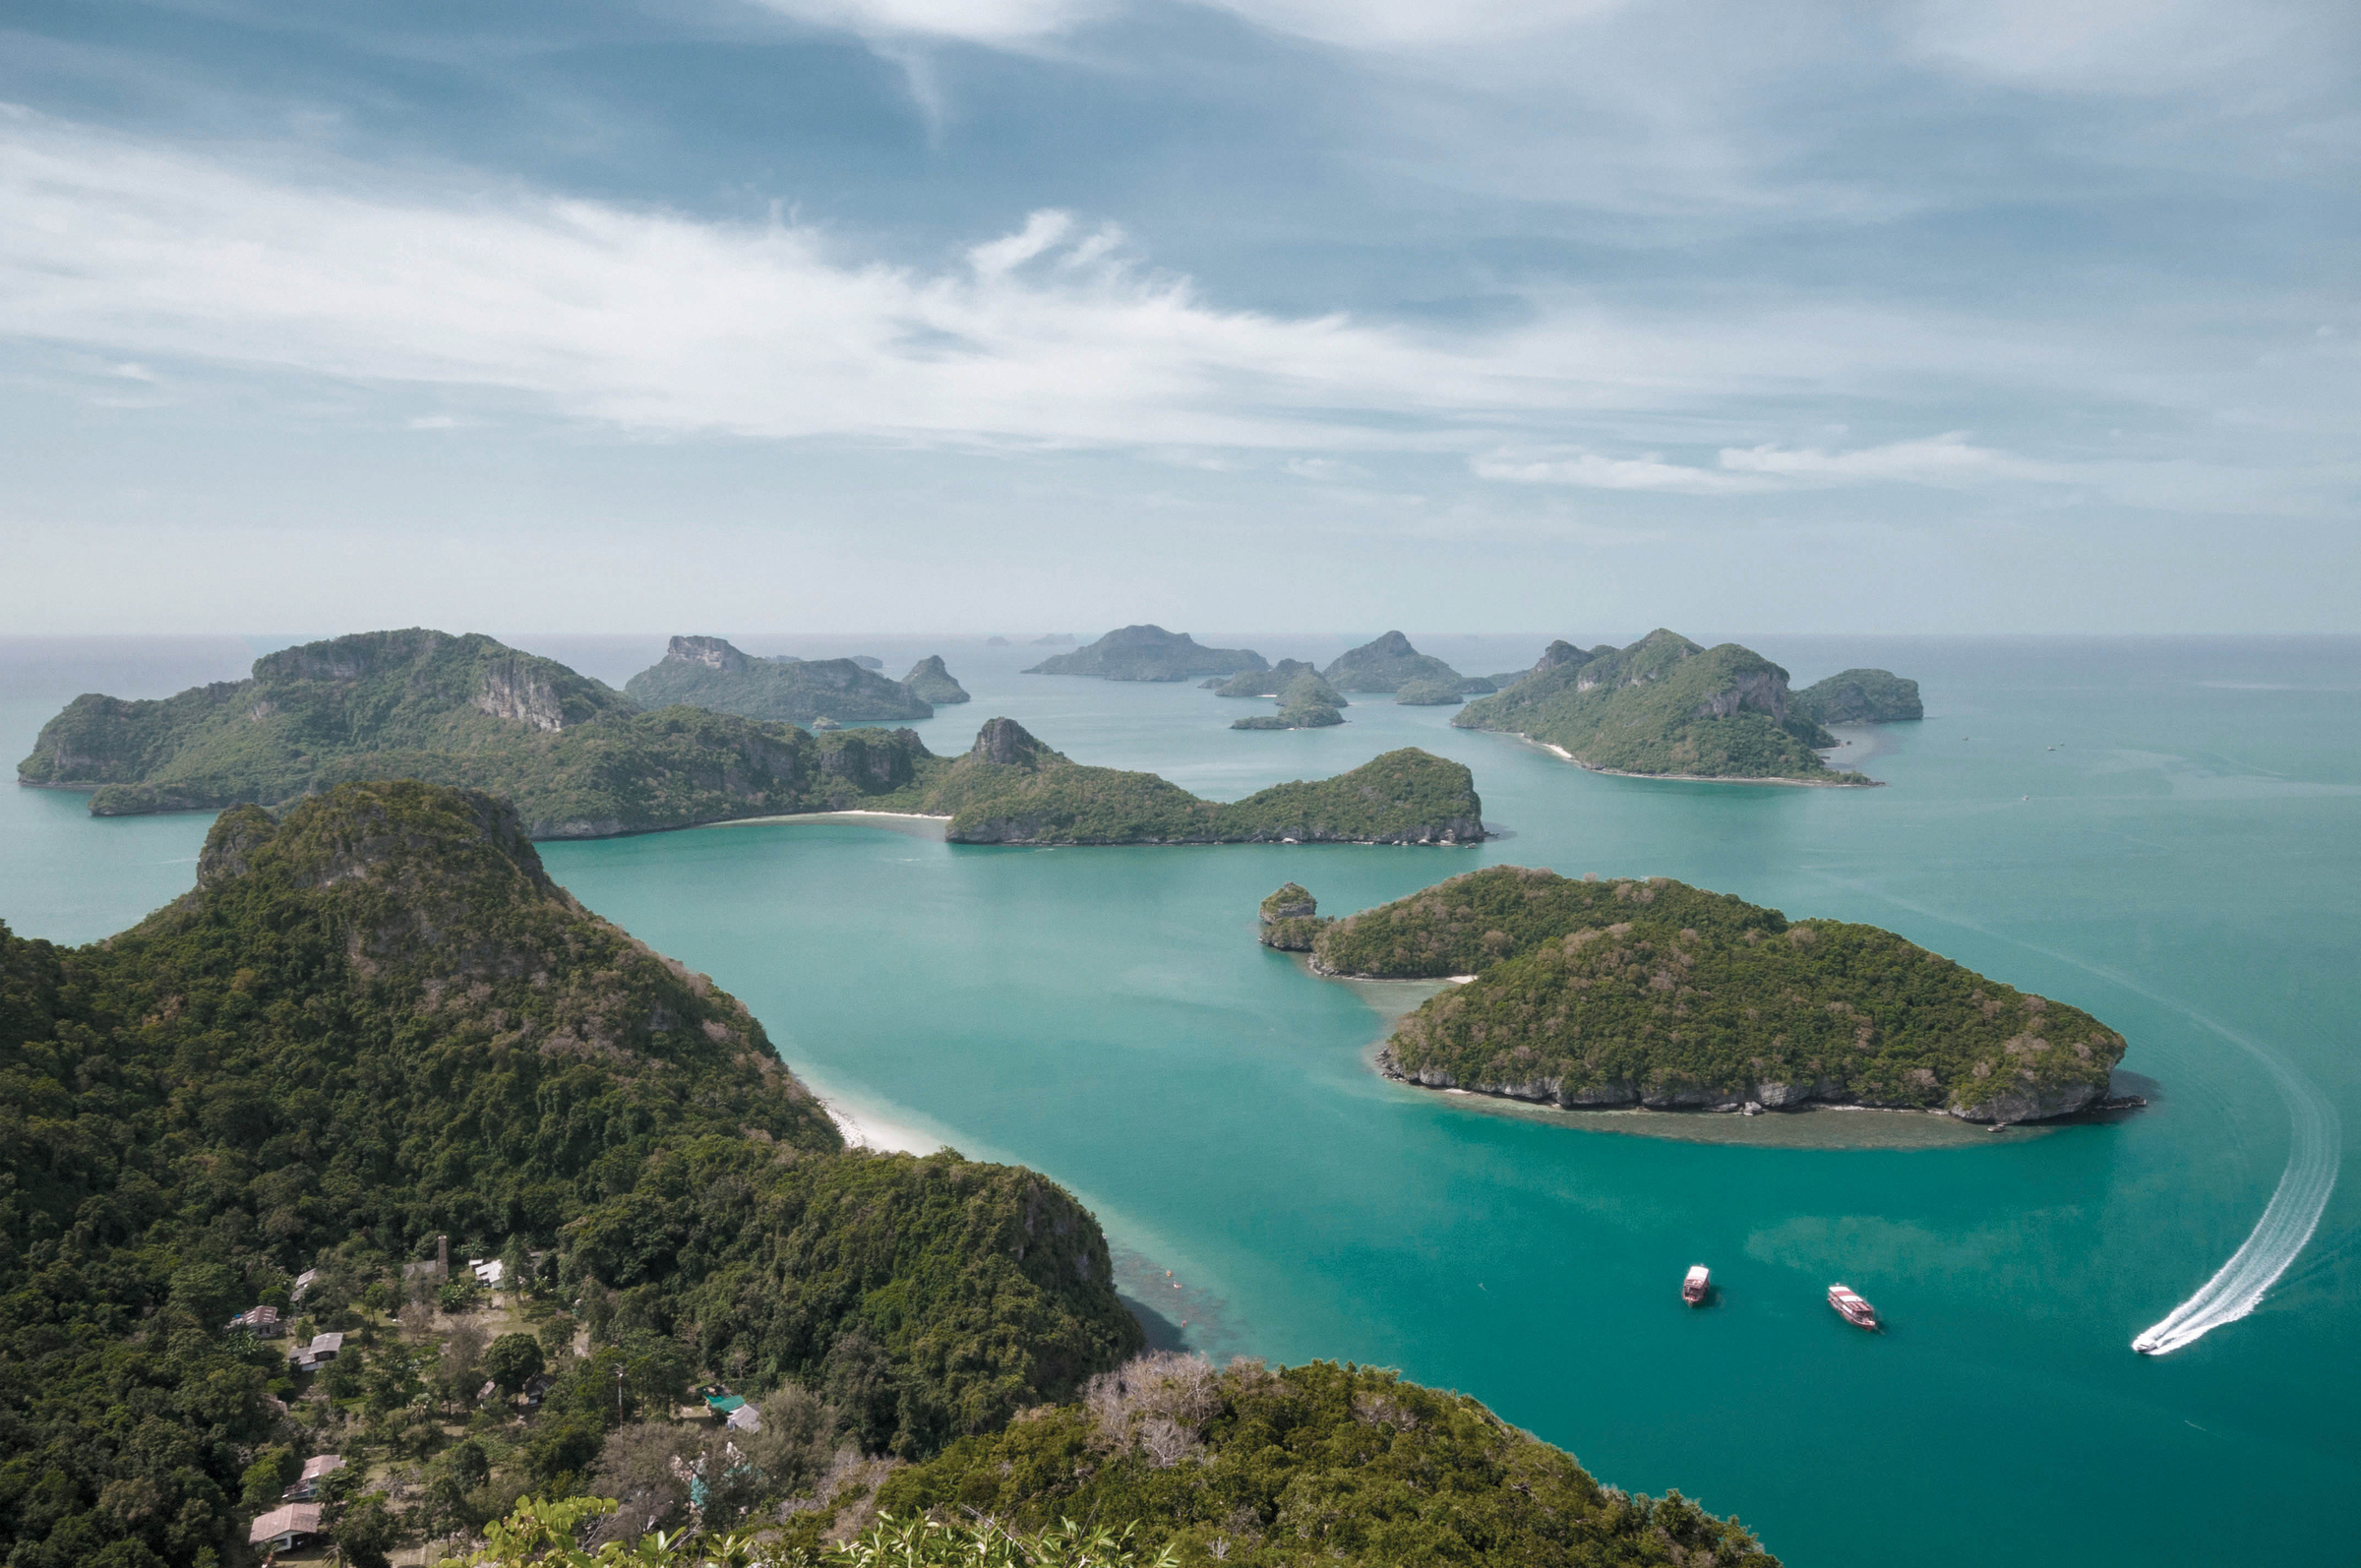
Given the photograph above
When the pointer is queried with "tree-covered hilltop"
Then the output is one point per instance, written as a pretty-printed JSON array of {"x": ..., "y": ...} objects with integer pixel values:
[
  {"x": 576, "y": 758},
  {"x": 1657, "y": 993},
  {"x": 1430, "y": 693},
  {"x": 930, "y": 682},
  {"x": 1305, "y": 702},
  {"x": 1858, "y": 696},
  {"x": 413, "y": 691},
  {"x": 1467, "y": 923},
  {"x": 1013, "y": 789},
  {"x": 1387, "y": 665},
  {"x": 1266, "y": 682},
  {"x": 1663, "y": 706},
  {"x": 375, "y": 1020},
  {"x": 1149, "y": 653},
  {"x": 1308, "y": 1465},
  {"x": 708, "y": 672}
]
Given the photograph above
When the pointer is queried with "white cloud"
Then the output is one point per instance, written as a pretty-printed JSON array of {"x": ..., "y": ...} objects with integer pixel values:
[
  {"x": 1399, "y": 24},
  {"x": 654, "y": 319},
  {"x": 1049, "y": 334},
  {"x": 2140, "y": 48},
  {"x": 1325, "y": 469},
  {"x": 1591, "y": 471},
  {"x": 1934, "y": 460},
  {"x": 990, "y": 21},
  {"x": 1945, "y": 460}
]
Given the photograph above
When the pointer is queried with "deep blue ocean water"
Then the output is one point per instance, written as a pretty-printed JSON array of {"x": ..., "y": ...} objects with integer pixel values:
[{"x": 2165, "y": 832}]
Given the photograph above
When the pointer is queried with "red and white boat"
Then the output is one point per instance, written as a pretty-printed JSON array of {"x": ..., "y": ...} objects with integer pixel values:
[
  {"x": 1693, "y": 1285},
  {"x": 1854, "y": 1311}
]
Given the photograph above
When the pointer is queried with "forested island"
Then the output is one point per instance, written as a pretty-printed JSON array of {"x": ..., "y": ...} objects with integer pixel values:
[
  {"x": 1430, "y": 693},
  {"x": 1858, "y": 696},
  {"x": 1650, "y": 993},
  {"x": 579, "y": 759},
  {"x": 1149, "y": 653},
  {"x": 931, "y": 682},
  {"x": 708, "y": 672},
  {"x": 1390, "y": 663},
  {"x": 1263, "y": 682},
  {"x": 1664, "y": 706},
  {"x": 378, "y": 1091},
  {"x": 1305, "y": 702},
  {"x": 1013, "y": 789}
]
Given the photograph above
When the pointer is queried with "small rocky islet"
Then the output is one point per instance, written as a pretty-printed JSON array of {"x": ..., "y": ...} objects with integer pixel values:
[{"x": 1649, "y": 993}]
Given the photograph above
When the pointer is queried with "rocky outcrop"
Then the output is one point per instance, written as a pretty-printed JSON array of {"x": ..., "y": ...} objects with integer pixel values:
[
  {"x": 712, "y": 652},
  {"x": 1763, "y": 692},
  {"x": 515, "y": 691},
  {"x": 931, "y": 682},
  {"x": 2008, "y": 1109},
  {"x": 1009, "y": 744}
]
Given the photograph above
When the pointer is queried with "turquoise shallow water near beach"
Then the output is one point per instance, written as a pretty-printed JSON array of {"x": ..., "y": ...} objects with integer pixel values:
[{"x": 2186, "y": 863}]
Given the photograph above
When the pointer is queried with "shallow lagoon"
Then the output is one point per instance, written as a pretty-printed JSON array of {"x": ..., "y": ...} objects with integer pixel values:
[{"x": 2190, "y": 848}]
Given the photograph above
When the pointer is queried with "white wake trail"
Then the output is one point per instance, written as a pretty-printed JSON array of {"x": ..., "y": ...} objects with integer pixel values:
[
  {"x": 2314, "y": 1142},
  {"x": 2237, "y": 1288}
]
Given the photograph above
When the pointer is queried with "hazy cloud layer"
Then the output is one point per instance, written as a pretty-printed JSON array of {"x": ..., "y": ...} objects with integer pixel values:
[{"x": 1554, "y": 283}]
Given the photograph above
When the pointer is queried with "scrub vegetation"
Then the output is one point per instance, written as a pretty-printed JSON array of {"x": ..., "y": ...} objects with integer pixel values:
[
  {"x": 377, "y": 1022},
  {"x": 1663, "y": 706},
  {"x": 1656, "y": 992},
  {"x": 579, "y": 759},
  {"x": 1011, "y": 789},
  {"x": 708, "y": 672}
]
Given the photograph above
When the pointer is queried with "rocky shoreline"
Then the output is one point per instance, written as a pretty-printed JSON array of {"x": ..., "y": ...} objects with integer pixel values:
[
  {"x": 2073, "y": 1102},
  {"x": 1705, "y": 778}
]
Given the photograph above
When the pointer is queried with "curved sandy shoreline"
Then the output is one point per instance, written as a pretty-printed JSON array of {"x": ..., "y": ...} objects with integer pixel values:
[{"x": 1702, "y": 778}]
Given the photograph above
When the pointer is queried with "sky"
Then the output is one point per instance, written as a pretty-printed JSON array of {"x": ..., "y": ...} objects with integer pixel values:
[{"x": 2019, "y": 315}]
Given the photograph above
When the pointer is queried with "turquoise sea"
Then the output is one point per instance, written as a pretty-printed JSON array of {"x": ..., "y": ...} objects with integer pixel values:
[{"x": 2165, "y": 832}]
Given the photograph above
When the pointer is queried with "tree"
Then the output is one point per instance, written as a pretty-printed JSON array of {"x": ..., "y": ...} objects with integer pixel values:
[
  {"x": 512, "y": 1360},
  {"x": 273, "y": 1469},
  {"x": 364, "y": 1531}
]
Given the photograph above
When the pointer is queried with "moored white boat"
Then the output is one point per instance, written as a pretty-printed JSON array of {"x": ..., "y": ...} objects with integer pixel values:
[{"x": 1849, "y": 1307}]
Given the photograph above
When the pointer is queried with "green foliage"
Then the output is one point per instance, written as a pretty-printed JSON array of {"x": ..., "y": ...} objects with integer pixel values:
[
  {"x": 1663, "y": 706},
  {"x": 512, "y": 1361},
  {"x": 1473, "y": 920},
  {"x": 1311, "y": 1464},
  {"x": 1290, "y": 898},
  {"x": 1409, "y": 796},
  {"x": 1387, "y": 665},
  {"x": 1430, "y": 693},
  {"x": 460, "y": 1295},
  {"x": 364, "y": 1531},
  {"x": 1264, "y": 683},
  {"x": 545, "y": 1534},
  {"x": 574, "y": 756},
  {"x": 1305, "y": 702},
  {"x": 274, "y": 1469},
  {"x": 928, "y": 1299},
  {"x": 1294, "y": 716},
  {"x": 378, "y": 1020},
  {"x": 1858, "y": 696},
  {"x": 708, "y": 672},
  {"x": 1611, "y": 993}
]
